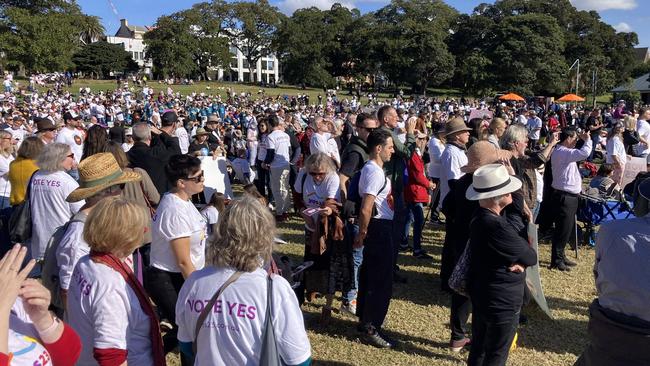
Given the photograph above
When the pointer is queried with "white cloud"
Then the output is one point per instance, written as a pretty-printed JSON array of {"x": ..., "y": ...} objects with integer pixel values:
[
  {"x": 601, "y": 5},
  {"x": 289, "y": 6},
  {"x": 623, "y": 27}
]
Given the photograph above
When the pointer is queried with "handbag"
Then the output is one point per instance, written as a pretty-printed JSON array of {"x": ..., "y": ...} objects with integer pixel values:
[
  {"x": 208, "y": 308},
  {"x": 460, "y": 275},
  {"x": 269, "y": 356},
  {"x": 20, "y": 221}
]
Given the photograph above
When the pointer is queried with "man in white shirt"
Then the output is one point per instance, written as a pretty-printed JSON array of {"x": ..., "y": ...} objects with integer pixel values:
[
  {"x": 567, "y": 185},
  {"x": 277, "y": 162},
  {"x": 19, "y": 130},
  {"x": 534, "y": 125},
  {"x": 643, "y": 128},
  {"x": 453, "y": 157},
  {"x": 375, "y": 236}
]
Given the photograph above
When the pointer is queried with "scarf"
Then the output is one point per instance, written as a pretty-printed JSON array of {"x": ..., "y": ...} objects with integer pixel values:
[{"x": 156, "y": 339}]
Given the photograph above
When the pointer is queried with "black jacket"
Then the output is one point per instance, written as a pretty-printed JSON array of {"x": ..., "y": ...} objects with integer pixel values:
[
  {"x": 495, "y": 246},
  {"x": 154, "y": 158}
]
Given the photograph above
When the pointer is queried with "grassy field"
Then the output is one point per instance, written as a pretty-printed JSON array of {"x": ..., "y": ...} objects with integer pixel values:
[{"x": 419, "y": 315}]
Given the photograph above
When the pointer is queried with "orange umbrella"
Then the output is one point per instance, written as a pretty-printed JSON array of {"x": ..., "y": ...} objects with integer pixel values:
[
  {"x": 571, "y": 98},
  {"x": 512, "y": 96}
]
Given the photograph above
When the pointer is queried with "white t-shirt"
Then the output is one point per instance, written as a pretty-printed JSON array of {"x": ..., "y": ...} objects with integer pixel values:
[
  {"x": 451, "y": 160},
  {"x": 313, "y": 195},
  {"x": 643, "y": 128},
  {"x": 534, "y": 126},
  {"x": 436, "y": 147},
  {"x": 176, "y": 218},
  {"x": 74, "y": 139},
  {"x": 107, "y": 314},
  {"x": 5, "y": 185},
  {"x": 615, "y": 147},
  {"x": 261, "y": 148},
  {"x": 49, "y": 207},
  {"x": 279, "y": 141},
  {"x": 17, "y": 134},
  {"x": 211, "y": 215},
  {"x": 371, "y": 182},
  {"x": 71, "y": 248},
  {"x": 23, "y": 339},
  {"x": 318, "y": 143},
  {"x": 234, "y": 327},
  {"x": 183, "y": 139}
]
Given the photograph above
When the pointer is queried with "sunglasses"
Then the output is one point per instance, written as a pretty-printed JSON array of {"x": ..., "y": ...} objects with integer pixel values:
[
  {"x": 70, "y": 156},
  {"x": 196, "y": 179},
  {"x": 317, "y": 174}
]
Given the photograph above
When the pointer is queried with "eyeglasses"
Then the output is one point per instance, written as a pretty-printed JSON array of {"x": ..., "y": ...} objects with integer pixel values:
[
  {"x": 196, "y": 179},
  {"x": 317, "y": 174},
  {"x": 70, "y": 155}
]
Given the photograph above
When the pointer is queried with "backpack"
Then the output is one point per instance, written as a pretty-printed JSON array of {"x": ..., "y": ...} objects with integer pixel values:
[
  {"x": 354, "y": 194},
  {"x": 50, "y": 271}
]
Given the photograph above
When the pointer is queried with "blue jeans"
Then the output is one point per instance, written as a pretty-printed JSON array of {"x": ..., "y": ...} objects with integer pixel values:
[
  {"x": 351, "y": 231},
  {"x": 595, "y": 139},
  {"x": 416, "y": 217}
]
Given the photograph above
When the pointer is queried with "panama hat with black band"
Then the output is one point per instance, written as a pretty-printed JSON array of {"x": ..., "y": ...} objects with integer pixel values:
[{"x": 491, "y": 180}]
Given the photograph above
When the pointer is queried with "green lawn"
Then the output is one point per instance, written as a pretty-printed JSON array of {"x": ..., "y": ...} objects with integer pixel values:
[{"x": 419, "y": 314}]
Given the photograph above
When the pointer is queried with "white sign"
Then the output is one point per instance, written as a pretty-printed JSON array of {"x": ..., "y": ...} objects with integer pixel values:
[
  {"x": 633, "y": 167},
  {"x": 216, "y": 177}
]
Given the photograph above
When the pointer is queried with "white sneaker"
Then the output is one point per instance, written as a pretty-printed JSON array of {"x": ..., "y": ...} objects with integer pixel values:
[{"x": 350, "y": 308}]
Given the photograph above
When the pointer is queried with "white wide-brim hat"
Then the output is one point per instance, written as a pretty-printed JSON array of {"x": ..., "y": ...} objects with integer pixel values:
[{"x": 491, "y": 180}]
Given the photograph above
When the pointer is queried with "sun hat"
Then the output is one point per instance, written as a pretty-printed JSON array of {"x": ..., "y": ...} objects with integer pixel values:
[
  {"x": 44, "y": 124},
  {"x": 491, "y": 180},
  {"x": 455, "y": 125},
  {"x": 482, "y": 153},
  {"x": 98, "y": 172},
  {"x": 201, "y": 131}
]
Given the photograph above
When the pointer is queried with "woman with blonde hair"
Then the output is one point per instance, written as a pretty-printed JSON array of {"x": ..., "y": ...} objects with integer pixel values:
[
  {"x": 111, "y": 310},
  {"x": 21, "y": 169},
  {"x": 7, "y": 144},
  {"x": 496, "y": 129},
  {"x": 246, "y": 300},
  {"x": 630, "y": 135}
]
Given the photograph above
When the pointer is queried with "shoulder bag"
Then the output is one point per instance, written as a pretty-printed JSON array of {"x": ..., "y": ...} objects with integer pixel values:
[{"x": 269, "y": 356}]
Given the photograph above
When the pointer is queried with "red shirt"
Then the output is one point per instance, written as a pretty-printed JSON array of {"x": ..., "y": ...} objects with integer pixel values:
[{"x": 417, "y": 189}]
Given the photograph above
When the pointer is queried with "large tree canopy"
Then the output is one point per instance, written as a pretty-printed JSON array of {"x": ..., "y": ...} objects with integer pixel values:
[
  {"x": 101, "y": 58},
  {"x": 42, "y": 35}
]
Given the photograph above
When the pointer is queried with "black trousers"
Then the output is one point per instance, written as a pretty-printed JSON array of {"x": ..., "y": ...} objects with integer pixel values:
[
  {"x": 163, "y": 287},
  {"x": 376, "y": 274},
  {"x": 492, "y": 335},
  {"x": 565, "y": 206},
  {"x": 461, "y": 307}
]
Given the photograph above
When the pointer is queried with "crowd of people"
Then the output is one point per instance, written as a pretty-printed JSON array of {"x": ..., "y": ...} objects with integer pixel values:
[{"x": 128, "y": 249}]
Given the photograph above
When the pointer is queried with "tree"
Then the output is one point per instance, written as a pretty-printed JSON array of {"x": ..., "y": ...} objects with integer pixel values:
[
  {"x": 41, "y": 35},
  {"x": 91, "y": 30},
  {"x": 101, "y": 58},
  {"x": 412, "y": 44},
  {"x": 186, "y": 43},
  {"x": 252, "y": 28}
]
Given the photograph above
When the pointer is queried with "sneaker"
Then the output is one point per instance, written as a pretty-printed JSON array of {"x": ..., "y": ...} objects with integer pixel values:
[
  {"x": 436, "y": 221},
  {"x": 570, "y": 263},
  {"x": 350, "y": 308},
  {"x": 404, "y": 248},
  {"x": 422, "y": 255},
  {"x": 457, "y": 346},
  {"x": 375, "y": 339}
]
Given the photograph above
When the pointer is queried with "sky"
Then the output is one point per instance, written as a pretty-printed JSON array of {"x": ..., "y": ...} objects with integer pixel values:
[{"x": 623, "y": 15}]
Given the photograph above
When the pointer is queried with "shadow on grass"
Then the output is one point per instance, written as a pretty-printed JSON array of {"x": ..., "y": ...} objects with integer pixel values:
[
  {"x": 330, "y": 363},
  {"x": 339, "y": 327},
  {"x": 556, "y": 336}
]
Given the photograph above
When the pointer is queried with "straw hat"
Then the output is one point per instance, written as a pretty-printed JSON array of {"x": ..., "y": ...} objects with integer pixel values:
[
  {"x": 201, "y": 131},
  {"x": 456, "y": 125},
  {"x": 482, "y": 153},
  {"x": 98, "y": 172},
  {"x": 491, "y": 180}
]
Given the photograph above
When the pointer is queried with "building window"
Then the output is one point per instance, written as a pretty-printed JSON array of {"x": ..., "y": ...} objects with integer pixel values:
[
  {"x": 270, "y": 65},
  {"x": 245, "y": 64},
  {"x": 233, "y": 62}
]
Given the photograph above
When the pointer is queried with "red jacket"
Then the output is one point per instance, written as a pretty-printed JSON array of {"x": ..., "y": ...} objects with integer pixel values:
[{"x": 417, "y": 189}]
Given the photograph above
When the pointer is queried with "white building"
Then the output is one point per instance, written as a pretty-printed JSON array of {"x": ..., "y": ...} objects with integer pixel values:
[
  {"x": 266, "y": 69},
  {"x": 130, "y": 36}
]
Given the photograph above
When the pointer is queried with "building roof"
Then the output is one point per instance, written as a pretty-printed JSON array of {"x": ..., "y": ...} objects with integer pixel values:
[
  {"x": 642, "y": 54},
  {"x": 130, "y": 31},
  {"x": 640, "y": 84}
]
